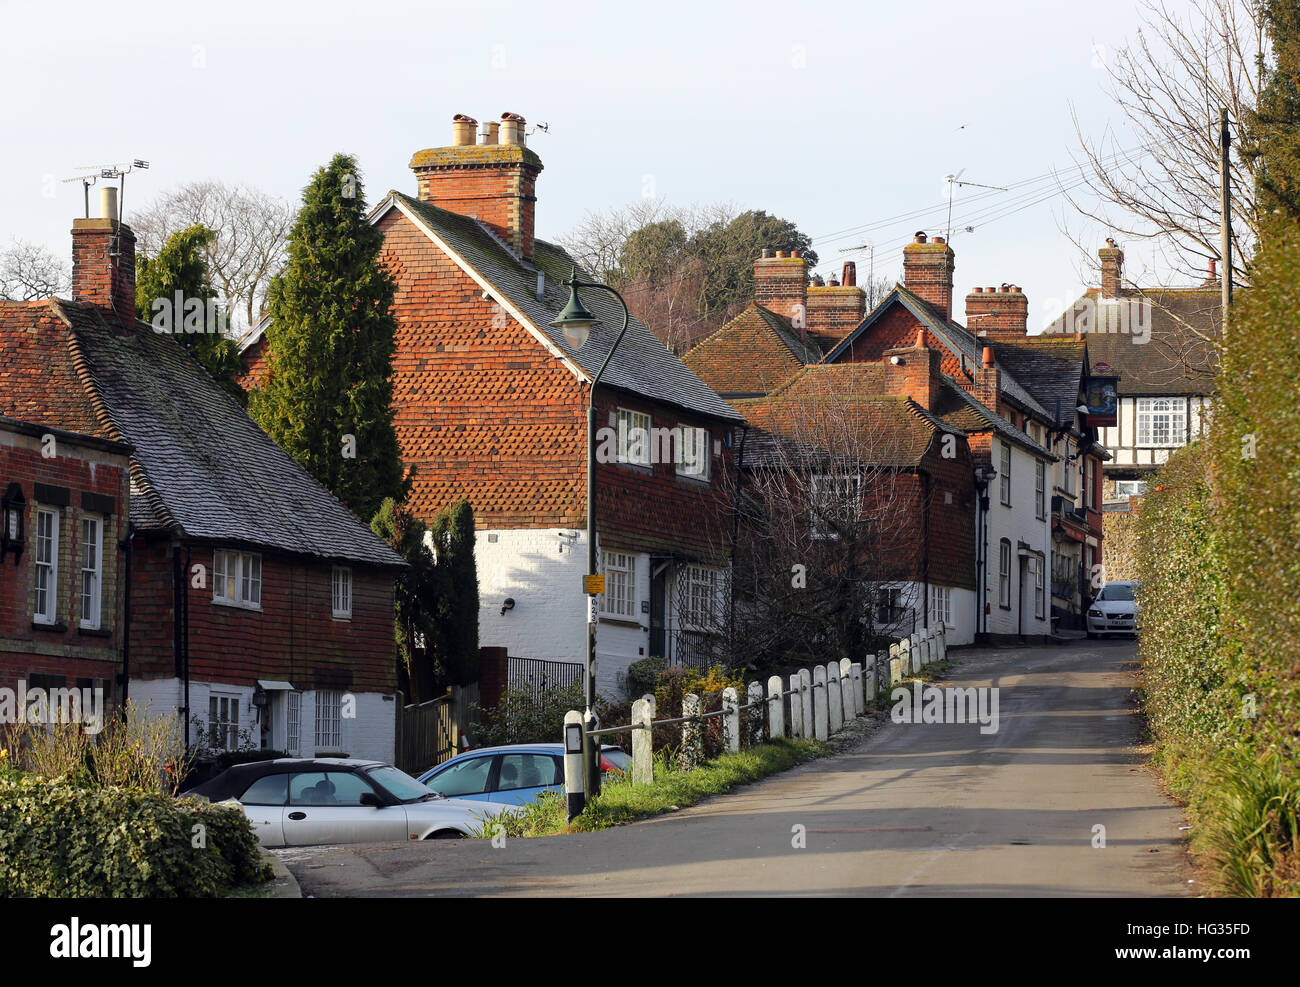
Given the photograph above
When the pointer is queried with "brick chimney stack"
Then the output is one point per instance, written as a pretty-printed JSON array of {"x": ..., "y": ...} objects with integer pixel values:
[
  {"x": 494, "y": 181},
  {"x": 103, "y": 261},
  {"x": 836, "y": 309},
  {"x": 988, "y": 380},
  {"x": 915, "y": 372},
  {"x": 927, "y": 272},
  {"x": 781, "y": 286},
  {"x": 1112, "y": 269},
  {"x": 999, "y": 313}
]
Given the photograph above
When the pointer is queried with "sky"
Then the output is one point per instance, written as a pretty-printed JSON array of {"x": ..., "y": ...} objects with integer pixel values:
[{"x": 842, "y": 118}]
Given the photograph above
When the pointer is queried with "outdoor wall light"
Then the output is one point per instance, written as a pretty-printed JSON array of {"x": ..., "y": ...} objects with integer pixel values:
[
  {"x": 509, "y": 604},
  {"x": 12, "y": 510},
  {"x": 895, "y": 360}
]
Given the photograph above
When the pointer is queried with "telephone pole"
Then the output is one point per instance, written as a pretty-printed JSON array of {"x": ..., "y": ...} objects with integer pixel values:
[{"x": 1225, "y": 208}]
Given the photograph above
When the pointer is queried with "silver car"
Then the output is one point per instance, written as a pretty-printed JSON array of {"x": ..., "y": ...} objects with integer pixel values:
[
  {"x": 305, "y": 801},
  {"x": 1115, "y": 609}
]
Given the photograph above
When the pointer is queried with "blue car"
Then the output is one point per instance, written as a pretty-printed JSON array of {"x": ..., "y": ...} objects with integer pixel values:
[{"x": 512, "y": 775}]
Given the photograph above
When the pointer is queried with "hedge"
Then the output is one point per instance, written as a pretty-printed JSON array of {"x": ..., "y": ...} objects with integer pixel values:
[{"x": 61, "y": 840}]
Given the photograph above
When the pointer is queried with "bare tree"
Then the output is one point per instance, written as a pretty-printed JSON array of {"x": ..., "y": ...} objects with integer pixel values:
[
  {"x": 252, "y": 229},
  {"x": 827, "y": 551},
  {"x": 29, "y": 271},
  {"x": 1161, "y": 182}
]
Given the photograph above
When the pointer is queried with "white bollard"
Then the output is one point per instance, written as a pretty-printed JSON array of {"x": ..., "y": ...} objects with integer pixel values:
[
  {"x": 754, "y": 715},
  {"x": 943, "y": 644},
  {"x": 895, "y": 671},
  {"x": 796, "y": 709},
  {"x": 775, "y": 708},
  {"x": 819, "y": 702},
  {"x": 731, "y": 720},
  {"x": 859, "y": 696},
  {"x": 846, "y": 690},
  {"x": 834, "y": 698},
  {"x": 925, "y": 649},
  {"x": 692, "y": 733},
  {"x": 643, "y": 756},
  {"x": 806, "y": 701},
  {"x": 574, "y": 787},
  {"x": 914, "y": 653}
]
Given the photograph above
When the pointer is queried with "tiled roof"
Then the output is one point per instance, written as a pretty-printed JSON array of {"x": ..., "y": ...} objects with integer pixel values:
[
  {"x": 962, "y": 410},
  {"x": 641, "y": 364},
  {"x": 1050, "y": 368},
  {"x": 960, "y": 342},
  {"x": 753, "y": 354},
  {"x": 1166, "y": 356},
  {"x": 200, "y": 466},
  {"x": 840, "y": 410}
]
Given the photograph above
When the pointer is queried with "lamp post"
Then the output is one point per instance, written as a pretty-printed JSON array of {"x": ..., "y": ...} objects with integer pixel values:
[{"x": 576, "y": 323}]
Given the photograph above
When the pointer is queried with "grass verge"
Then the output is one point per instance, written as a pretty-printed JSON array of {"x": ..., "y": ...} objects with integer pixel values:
[{"x": 620, "y": 801}]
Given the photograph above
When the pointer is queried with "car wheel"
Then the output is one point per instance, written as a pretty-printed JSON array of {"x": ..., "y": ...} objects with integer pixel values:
[{"x": 446, "y": 834}]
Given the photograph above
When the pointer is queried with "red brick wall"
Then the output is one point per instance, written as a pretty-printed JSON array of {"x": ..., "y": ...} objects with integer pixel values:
[
  {"x": 834, "y": 311},
  {"x": 895, "y": 329},
  {"x": 998, "y": 313},
  {"x": 98, "y": 277},
  {"x": 68, "y": 651}
]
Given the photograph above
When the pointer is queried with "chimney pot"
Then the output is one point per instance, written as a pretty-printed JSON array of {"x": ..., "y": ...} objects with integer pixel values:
[
  {"x": 986, "y": 358},
  {"x": 977, "y": 291},
  {"x": 920, "y": 236},
  {"x": 767, "y": 252},
  {"x": 850, "y": 277},
  {"x": 108, "y": 202},
  {"x": 462, "y": 130},
  {"x": 780, "y": 253},
  {"x": 512, "y": 129},
  {"x": 940, "y": 239},
  {"x": 491, "y": 132}
]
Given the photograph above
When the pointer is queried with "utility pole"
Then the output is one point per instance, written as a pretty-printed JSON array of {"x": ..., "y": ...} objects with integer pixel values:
[{"x": 1225, "y": 207}]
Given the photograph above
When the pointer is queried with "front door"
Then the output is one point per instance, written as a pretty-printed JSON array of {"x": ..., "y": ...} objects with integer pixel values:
[{"x": 658, "y": 608}]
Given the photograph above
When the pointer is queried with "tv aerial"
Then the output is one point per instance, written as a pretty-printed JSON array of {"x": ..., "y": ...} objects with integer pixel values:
[
  {"x": 107, "y": 172},
  {"x": 955, "y": 181}
]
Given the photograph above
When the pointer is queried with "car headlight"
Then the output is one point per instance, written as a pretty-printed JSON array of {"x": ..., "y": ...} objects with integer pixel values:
[{"x": 1095, "y": 613}]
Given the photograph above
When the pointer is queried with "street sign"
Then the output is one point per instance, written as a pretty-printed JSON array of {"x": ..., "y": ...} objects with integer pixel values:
[{"x": 593, "y": 585}]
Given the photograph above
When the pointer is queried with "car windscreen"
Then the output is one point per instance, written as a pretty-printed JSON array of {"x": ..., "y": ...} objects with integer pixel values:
[
  {"x": 398, "y": 783},
  {"x": 1116, "y": 591}
]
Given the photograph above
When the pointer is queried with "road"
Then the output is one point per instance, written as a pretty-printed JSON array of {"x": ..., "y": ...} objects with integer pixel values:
[{"x": 925, "y": 809}]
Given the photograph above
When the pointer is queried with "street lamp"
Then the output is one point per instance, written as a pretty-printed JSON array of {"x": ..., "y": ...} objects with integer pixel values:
[{"x": 575, "y": 321}]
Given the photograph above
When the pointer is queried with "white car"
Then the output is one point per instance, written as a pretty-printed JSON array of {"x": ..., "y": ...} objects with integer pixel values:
[
  {"x": 1115, "y": 609},
  {"x": 305, "y": 801}
]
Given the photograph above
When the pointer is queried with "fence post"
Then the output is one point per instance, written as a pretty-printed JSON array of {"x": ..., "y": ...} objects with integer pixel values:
[
  {"x": 943, "y": 643},
  {"x": 834, "y": 698},
  {"x": 806, "y": 702},
  {"x": 925, "y": 648},
  {"x": 846, "y": 690},
  {"x": 574, "y": 791},
  {"x": 775, "y": 708},
  {"x": 731, "y": 720},
  {"x": 819, "y": 702},
  {"x": 692, "y": 733},
  {"x": 643, "y": 755},
  {"x": 797, "y": 729},
  {"x": 855, "y": 680},
  {"x": 755, "y": 713}
]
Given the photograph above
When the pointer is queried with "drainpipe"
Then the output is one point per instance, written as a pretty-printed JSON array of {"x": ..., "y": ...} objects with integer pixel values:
[
  {"x": 180, "y": 630},
  {"x": 925, "y": 549},
  {"x": 735, "y": 534},
  {"x": 126, "y": 615}
]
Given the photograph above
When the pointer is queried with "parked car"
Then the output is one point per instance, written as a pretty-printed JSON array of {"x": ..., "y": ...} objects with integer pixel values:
[
  {"x": 1114, "y": 610},
  {"x": 514, "y": 774},
  {"x": 304, "y": 801}
]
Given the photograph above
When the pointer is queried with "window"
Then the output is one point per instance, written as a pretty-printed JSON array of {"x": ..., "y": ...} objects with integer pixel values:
[
  {"x": 292, "y": 722},
  {"x": 267, "y": 790},
  {"x": 702, "y": 609},
  {"x": 341, "y": 595},
  {"x": 467, "y": 777},
  {"x": 1068, "y": 470},
  {"x": 633, "y": 437},
  {"x": 693, "y": 452},
  {"x": 327, "y": 720},
  {"x": 529, "y": 771},
  {"x": 1006, "y": 474},
  {"x": 1040, "y": 489},
  {"x": 1130, "y": 488},
  {"x": 47, "y": 566},
  {"x": 1004, "y": 574},
  {"x": 223, "y": 722},
  {"x": 941, "y": 605},
  {"x": 237, "y": 579},
  {"x": 889, "y": 606},
  {"x": 1161, "y": 421},
  {"x": 619, "y": 598},
  {"x": 834, "y": 504},
  {"x": 91, "y": 571},
  {"x": 328, "y": 788},
  {"x": 1040, "y": 597}
]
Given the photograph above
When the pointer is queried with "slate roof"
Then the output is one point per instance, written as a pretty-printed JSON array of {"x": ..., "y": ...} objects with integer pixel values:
[
  {"x": 962, "y": 410},
  {"x": 200, "y": 467},
  {"x": 1051, "y": 368},
  {"x": 753, "y": 354},
  {"x": 1170, "y": 358},
  {"x": 959, "y": 340},
  {"x": 641, "y": 364},
  {"x": 842, "y": 410}
]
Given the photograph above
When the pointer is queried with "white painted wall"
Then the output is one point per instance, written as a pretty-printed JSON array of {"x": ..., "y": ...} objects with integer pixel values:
[{"x": 1018, "y": 523}]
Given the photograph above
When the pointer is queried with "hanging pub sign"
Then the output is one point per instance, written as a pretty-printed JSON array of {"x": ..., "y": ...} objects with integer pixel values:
[{"x": 1101, "y": 397}]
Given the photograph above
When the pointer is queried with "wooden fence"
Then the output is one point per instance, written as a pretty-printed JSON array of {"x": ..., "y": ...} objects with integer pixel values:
[{"x": 429, "y": 733}]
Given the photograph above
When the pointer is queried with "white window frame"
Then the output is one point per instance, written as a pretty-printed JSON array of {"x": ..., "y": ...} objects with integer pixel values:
[
  {"x": 838, "y": 484},
  {"x": 92, "y": 571},
  {"x": 47, "y": 567},
  {"x": 1130, "y": 488},
  {"x": 328, "y": 732},
  {"x": 1005, "y": 479},
  {"x": 240, "y": 571},
  {"x": 1040, "y": 599},
  {"x": 223, "y": 720},
  {"x": 633, "y": 428},
  {"x": 693, "y": 448},
  {"x": 341, "y": 592},
  {"x": 1166, "y": 417},
  {"x": 619, "y": 599},
  {"x": 1040, "y": 489},
  {"x": 1004, "y": 573},
  {"x": 701, "y": 610},
  {"x": 941, "y": 605},
  {"x": 293, "y": 723}
]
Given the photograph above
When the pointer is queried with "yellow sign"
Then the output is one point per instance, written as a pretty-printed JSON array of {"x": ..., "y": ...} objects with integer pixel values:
[{"x": 593, "y": 585}]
